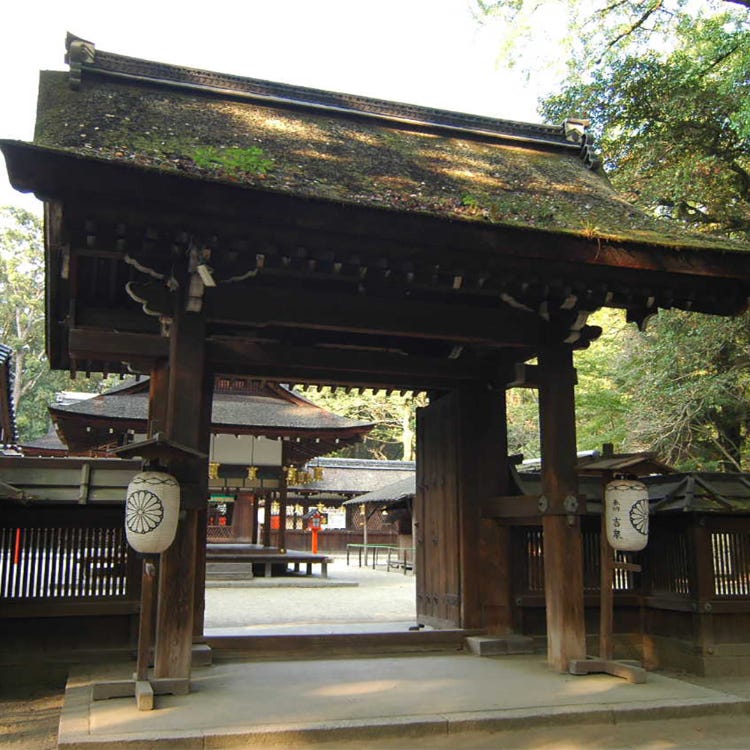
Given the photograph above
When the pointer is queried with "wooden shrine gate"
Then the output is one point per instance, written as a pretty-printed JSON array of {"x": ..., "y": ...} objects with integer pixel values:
[{"x": 379, "y": 277}]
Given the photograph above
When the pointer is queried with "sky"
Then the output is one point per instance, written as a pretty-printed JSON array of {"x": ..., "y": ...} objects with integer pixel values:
[{"x": 429, "y": 52}]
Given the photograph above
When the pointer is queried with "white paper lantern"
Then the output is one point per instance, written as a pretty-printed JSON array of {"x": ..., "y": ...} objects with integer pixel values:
[
  {"x": 152, "y": 507},
  {"x": 626, "y": 514}
]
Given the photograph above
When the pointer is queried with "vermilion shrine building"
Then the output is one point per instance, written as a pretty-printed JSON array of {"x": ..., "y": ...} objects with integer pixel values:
[{"x": 201, "y": 224}]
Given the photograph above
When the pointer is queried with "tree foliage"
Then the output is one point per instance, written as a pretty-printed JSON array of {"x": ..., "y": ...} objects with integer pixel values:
[
  {"x": 675, "y": 129},
  {"x": 666, "y": 85},
  {"x": 22, "y": 322},
  {"x": 689, "y": 378},
  {"x": 394, "y": 416}
]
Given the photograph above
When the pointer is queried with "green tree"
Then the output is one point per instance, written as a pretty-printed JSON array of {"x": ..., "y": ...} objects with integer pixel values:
[
  {"x": 394, "y": 434},
  {"x": 665, "y": 84},
  {"x": 603, "y": 405},
  {"x": 675, "y": 129},
  {"x": 22, "y": 322},
  {"x": 689, "y": 378}
]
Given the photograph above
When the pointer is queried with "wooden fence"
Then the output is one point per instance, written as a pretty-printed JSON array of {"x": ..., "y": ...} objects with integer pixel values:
[{"x": 52, "y": 559}]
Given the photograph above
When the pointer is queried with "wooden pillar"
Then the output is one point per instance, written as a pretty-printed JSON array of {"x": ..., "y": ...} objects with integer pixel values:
[
  {"x": 242, "y": 517},
  {"x": 267, "y": 503},
  {"x": 157, "y": 398},
  {"x": 188, "y": 423},
  {"x": 702, "y": 585},
  {"x": 563, "y": 546},
  {"x": 282, "y": 515},
  {"x": 256, "y": 505}
]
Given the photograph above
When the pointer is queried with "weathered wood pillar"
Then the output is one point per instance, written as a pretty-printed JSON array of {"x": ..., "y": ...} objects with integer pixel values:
[
  {"x": 702, "y": 585},
  {"x": 188, "y": 423},
  {"x": 563, "y": 545},
  {"x": 157, "y": 398}
]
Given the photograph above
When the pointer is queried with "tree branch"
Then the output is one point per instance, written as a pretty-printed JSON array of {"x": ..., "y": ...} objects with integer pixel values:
[{"x": 633, "y": 27}]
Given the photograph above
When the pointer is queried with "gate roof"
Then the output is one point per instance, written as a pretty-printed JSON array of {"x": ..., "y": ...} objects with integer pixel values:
[{"x": 331, "y": 238}]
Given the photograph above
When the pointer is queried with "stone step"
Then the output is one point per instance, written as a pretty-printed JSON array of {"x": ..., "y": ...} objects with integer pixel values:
[
  {"x": 217, "y": 571},
  {"x": 500, "y": 645}
]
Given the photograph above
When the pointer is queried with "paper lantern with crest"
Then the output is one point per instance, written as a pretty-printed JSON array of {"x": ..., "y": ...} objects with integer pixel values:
[
  {"x": 152, "y": 507},
  {"x": 626, "y": 514}
]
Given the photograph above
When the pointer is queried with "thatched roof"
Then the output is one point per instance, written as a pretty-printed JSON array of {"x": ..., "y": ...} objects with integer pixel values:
[{"x": 318, "y": 144}]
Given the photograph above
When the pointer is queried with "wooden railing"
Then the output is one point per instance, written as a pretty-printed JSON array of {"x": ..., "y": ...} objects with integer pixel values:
[{"x": 63, "y": 563}]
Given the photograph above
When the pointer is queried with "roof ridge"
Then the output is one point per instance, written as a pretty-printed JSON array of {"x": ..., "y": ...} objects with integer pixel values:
[{"x": 83, "y": 56}]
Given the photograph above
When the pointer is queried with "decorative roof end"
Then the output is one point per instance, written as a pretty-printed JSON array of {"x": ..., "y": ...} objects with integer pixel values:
[
  {"x": 577, "y": 131},
  {"x": 77, "y": 53}
]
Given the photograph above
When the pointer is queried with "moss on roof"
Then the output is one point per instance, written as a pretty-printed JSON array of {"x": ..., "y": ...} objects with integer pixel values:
[{"x": 325, "y": 155}]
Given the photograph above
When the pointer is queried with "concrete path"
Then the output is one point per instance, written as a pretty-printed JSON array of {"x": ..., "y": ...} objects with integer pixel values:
[
  {"x": 451, "y": 701},
  {"x": 295, "y": 703}
]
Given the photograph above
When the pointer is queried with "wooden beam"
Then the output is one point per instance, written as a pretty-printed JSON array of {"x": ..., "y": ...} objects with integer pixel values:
[
  {"x": 513, "y": 506},
  {"x": 355, "y": 367},
  {"x": 247, "y": 304},
  {"x": 105, "y": 344},
  {"x": 563, "y": 545}
]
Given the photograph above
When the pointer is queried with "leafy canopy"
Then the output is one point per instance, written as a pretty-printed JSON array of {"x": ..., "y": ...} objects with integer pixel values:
[
  {"x": 666, "y": 85},
  {"x": 22, "y": 323}
]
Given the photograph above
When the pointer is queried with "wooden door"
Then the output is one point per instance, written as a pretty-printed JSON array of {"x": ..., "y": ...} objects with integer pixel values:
[{"x": 437, "y": 525}]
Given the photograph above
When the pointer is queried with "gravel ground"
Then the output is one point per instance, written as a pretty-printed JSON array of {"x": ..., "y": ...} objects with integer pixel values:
[{"x": 372, "y": 596}]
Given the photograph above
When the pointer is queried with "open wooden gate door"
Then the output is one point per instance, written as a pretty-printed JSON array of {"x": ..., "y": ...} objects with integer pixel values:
[
  {"x": 437, "y": 524},
  {"x": 462, "y": 560}
]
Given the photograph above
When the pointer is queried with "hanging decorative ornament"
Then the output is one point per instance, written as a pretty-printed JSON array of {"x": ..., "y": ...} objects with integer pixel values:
[
  {"x": 213, "y": 470},
  {"x": 626, "y": 514},
  {"x": 318, "y": 473},
  {"x": 252, "y": 472},
  {"x": 152, "y": 507}
]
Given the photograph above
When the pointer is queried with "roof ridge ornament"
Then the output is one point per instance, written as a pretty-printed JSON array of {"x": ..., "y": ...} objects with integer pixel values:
[
  {"x": 577, "y": 131},
  {"x": 77, "y": 53}
]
